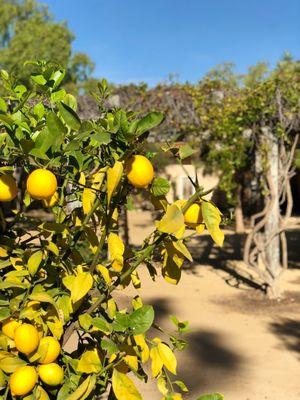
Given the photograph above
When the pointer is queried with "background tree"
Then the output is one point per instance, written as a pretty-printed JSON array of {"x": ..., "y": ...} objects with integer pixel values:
[{"x": 29, "y": 32}]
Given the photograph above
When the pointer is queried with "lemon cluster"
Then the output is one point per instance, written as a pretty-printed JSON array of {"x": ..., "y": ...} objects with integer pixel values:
[
  {"x": 41, "y": 185},
  {"x": 30, "y": 342}
]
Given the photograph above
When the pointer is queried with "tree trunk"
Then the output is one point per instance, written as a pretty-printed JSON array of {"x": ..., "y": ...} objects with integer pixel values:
[
  {"x": 238, "y": 212},
  {"x": 273, "y": 219}
]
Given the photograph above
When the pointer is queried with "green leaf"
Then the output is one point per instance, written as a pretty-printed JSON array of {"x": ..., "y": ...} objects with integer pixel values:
[
  {"x": 160, "y": 187},
  {"x": 101, "y": 324},
  {"x": 181, "y": 385},
  {"x": 109, "y": 346},
  {"x": 69, "y": 116},
  {"x": 39, "y": 79},
  {"x": 141, "y": 319},
  {"x": 214, "y": 396},
  {"x": 3, "y": 105},
  {"x": 212, "y": 218},
  {"x": 101, "y": 137},
  {"x": 58, "y": 95},
  {"x": 39, "y": 110},
  {"x": 56, "y": 129},
  {"x": 4, "y": 313},
  {"x": 34, "y": 262},
  {"x": 150, "y": 121},
  {"x": 186, "y": 151},
  {"x": 85, "y": 321}
]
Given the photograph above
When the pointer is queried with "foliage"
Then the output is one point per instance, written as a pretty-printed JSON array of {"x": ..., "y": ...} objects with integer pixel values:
[
  {"x": 62, "y": 275},
  {"x": 28, "y": 32}
]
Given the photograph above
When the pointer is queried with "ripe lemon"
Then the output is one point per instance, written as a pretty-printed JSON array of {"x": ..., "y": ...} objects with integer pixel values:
[
  {"x": 9, "y": 327},
  {"x": 139, "y": 171},
  {"x": 52, "y": 374},
  {"x": 193, "y": 215},
  {"x": 49, "y": 348},
  {"x": 41, "y": 184},
  {"x": 51, "y": 201},
  {"x": 8, "y": 188},
  {"x": 23, "y": 380},
  {"x": 26, "y": 338}
]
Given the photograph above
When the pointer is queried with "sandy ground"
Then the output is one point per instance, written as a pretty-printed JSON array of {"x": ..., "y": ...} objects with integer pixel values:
[{"x": 240, "y": 344}]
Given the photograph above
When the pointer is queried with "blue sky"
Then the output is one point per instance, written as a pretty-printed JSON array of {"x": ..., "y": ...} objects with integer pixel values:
[{"x": 145, "y": 40}]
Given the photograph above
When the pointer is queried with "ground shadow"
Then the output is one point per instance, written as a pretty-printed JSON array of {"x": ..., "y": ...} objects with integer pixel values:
[
  {"x": 205, "y": 252},
  {"x": 207, "y": 359},
  {"x": 288, "y": 330}
]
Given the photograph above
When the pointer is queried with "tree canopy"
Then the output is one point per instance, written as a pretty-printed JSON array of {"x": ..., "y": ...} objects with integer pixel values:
[{"x": 28, "y": 31}]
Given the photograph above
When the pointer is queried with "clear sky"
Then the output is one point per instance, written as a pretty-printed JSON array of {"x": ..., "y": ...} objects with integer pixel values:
[{"x": 145, "y": 40}]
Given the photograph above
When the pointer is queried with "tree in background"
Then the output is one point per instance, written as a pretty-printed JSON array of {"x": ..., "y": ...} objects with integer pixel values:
[
  {"x": 250, "y": 129},
  {"x": 29, "y": 32}
]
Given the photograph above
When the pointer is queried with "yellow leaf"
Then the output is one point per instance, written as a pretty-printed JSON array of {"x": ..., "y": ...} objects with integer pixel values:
[
  {"x": 143, "y": 347},
  {"x": 84, "y": 390},
  {"x": 167, "y": 357},
  {"x": 182, "y": 249},
  {"x": 200, "y": 228},
  {"x": 56, "y": 326},
  {"x": 171, "y": 271},
  {"x": 116, "y": 250},
  {"x": 172, "y": 221},
  {"x": 89, "y": 362},
  {"x": 88, "y": 199},
  {"x": 82, "y": 179},
  {"x": 123, "y": 387},
  {"x": 111, "y": 308},
  {"x": 114, "y": 176},
  {"x": 162, "y": 385},
  {"x": 105, "y": 273},
  {"x": 79, "y": 285},
  {"x": 135, "y": 280},
  {"x": 212, "y": 218},
  {"x": 156, "y": 362},
  {"x": 53, "y": 248},
  {"x": 3, "y": 252},
  {"x": 97, "y": 178}
]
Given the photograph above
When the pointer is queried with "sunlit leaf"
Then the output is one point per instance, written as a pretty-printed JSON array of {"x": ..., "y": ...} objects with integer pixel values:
[
  {"x": 123, "y": 387},
  {"x": 212, "y": 219},
  {"x": 114, "y": 176}
]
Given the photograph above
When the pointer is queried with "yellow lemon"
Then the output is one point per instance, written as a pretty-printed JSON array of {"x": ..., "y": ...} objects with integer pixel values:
[
  {"x": 51, "y": 201},
  {"x": 193, "y": 215},
  {"x": 41, "y": 184},
  {"x": 49, "y": 348},
  {"x": 23, "y": 380},
  {"x": 9, "y": 327},
  {"x": 26, "y": 338},
  {"x": 139, "y": 171},
  {"x": 8, "y": 188},
  {"x": 52, "y": 374}
]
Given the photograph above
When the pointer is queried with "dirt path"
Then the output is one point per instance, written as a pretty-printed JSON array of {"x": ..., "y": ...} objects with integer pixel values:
[{"x": 239, "y": 344}]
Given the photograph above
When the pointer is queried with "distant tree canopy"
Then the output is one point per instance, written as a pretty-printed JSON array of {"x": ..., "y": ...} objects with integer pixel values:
[{"x": 29, "y": 32}]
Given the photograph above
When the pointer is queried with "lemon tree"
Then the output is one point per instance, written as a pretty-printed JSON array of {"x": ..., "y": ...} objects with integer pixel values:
[{"x": 64, "y": 334}]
